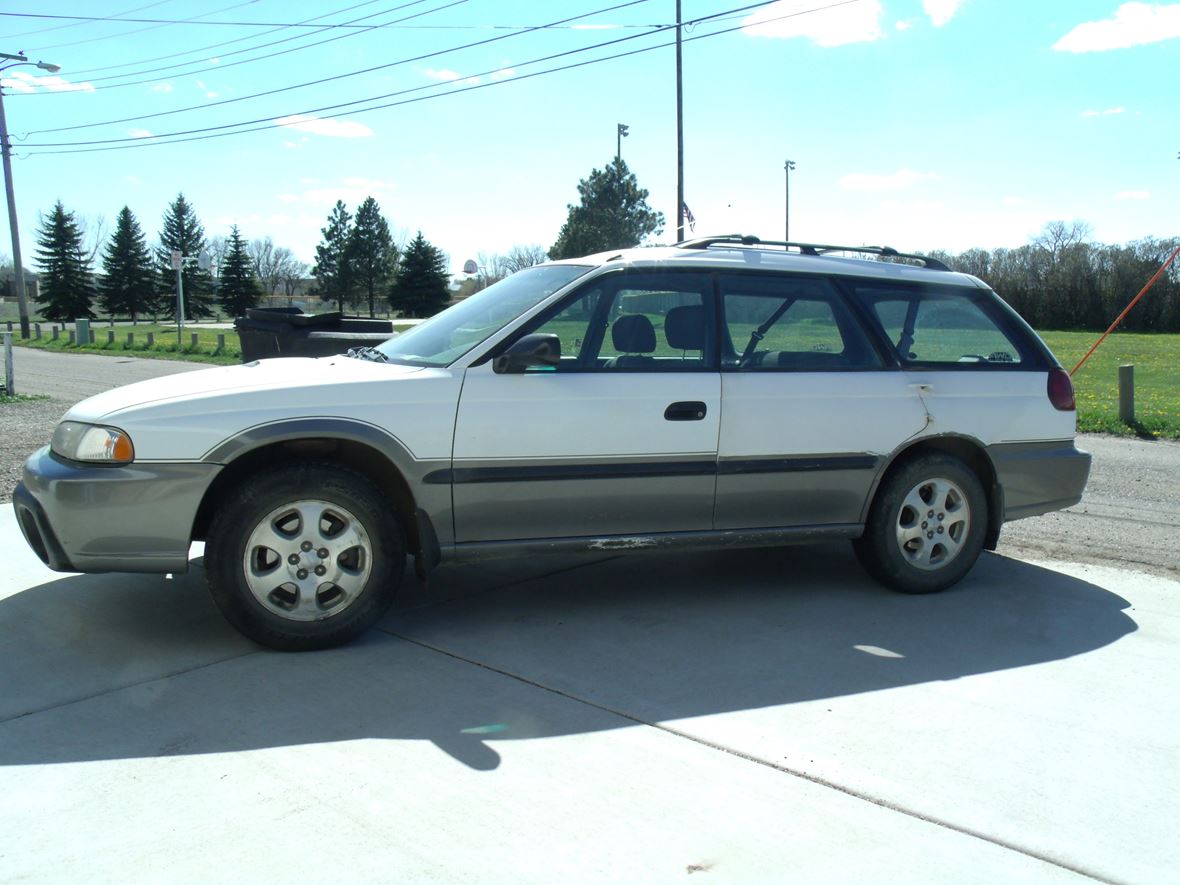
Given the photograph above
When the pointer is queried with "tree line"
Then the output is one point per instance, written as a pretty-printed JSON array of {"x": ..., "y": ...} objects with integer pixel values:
[
  {"x": 357, "y": 265},
  {"x": 1061, "y": 280}
]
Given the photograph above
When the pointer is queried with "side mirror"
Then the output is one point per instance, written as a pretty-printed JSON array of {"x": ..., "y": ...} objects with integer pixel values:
[{"x": 537, "y": 349}]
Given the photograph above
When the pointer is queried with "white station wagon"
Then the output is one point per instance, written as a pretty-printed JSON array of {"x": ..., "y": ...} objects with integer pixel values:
[{"x": 725, "y": 392}]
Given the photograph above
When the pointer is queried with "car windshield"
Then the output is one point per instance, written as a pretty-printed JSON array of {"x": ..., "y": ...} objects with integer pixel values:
[{"x": 445, "y": 337}]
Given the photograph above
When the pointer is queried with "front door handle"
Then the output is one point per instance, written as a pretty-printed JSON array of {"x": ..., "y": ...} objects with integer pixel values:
[{"x": 685, "y": 411}]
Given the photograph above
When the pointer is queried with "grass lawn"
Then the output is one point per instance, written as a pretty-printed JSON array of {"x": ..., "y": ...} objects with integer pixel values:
[
  {"x": 205, "y": 350},
  {"x": 1156, "y": 358}
]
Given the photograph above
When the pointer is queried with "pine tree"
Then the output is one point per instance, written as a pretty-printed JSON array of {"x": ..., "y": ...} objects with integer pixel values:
[
  {"x": 239, "y": 289},
  {"x": 65, "y": 281},
  {"x": 331, "y": 267},
  {"x": 613, "y": 214},
  {"x": 422, "y": 287},
  {"x": 370, "y": 254},
  {"x": 183, "y": 231},
  {"x": 127, "y": 286}
]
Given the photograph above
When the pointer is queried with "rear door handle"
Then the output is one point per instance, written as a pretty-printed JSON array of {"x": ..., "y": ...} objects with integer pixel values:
[{"x": 685, "y": 411}]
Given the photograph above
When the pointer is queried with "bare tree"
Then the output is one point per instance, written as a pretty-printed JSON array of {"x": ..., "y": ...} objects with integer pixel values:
[
  {"x": 264, "y": 259},
  {"x": 291, "y": 270},
  {"x": 1059, "y": 236},
  {"x": 520, "y": 257}
]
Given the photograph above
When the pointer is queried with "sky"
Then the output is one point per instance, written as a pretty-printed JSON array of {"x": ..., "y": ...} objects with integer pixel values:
[{"x": 919, "y": 124}]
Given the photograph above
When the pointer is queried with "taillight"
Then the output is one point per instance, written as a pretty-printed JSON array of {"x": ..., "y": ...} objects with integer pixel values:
[{"x": 1061, "y": 391}]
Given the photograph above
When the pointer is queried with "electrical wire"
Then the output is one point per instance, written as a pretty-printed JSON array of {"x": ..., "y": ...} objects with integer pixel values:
[
  {"x": 142, "y": 30},
  {"x": 331, "y": 79},
  {"x": 77, "y": 24},
  {"x": 212, "y": 132},
  {"x": 204, "y": 66},
  {"x": 207, "y": 47}
]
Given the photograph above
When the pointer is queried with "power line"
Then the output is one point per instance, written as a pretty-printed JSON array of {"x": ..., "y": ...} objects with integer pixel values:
[
  {"x": 76, "y": 24},
  {"x": 331, "y": 79},
  {"x": 204, "y": 66},
  {"x": 211, "y": 132},
  {"x": 142, "y": 30},
  {"x": 207, "y": 47}
]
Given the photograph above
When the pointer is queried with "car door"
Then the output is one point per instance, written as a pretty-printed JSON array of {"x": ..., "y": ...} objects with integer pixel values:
[
  {"x": 620, "y": 437},
  {"x": 809, "y": 409}
]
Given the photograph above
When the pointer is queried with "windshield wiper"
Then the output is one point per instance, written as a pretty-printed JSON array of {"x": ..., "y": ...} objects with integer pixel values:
[{"x": 371, "y": 354}]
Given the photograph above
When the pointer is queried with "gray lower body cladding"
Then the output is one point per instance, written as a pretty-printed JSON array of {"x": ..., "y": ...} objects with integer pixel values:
[
  {"x": 135, "y": 518},
  {"x": 1039, "y": 477}
]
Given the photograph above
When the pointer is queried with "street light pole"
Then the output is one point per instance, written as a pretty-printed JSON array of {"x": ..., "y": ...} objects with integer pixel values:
[
  {"x": 679, "y": 134},
  {"x": 623, "y": 131},
  {"x": 18, "y": 269},
  {"x": 787, "y": 167}
]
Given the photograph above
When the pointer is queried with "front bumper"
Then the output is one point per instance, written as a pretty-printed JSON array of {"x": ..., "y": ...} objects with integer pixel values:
[
  {"x": 1039, "y": 477},
  {"x": 136, "y": 518}
]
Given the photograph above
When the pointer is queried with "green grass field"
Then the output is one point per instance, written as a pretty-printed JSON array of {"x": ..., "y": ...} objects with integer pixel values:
[
  {"x": 1156, "y": 359},
  {"x": 205, "y": 350},
  {"x": 1157, "y": 380}
]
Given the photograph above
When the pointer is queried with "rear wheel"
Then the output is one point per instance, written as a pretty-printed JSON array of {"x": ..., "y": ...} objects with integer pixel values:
[
  {"x": 926, "y": 525},
  {"x": 304, "y": 556}
]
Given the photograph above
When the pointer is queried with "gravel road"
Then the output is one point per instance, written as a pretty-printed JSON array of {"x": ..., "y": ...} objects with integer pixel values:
[{"x": 1130, "y": 513}]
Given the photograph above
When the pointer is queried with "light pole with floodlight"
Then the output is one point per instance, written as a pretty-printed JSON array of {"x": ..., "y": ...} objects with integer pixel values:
[
  {"x": 788, "y": 167},
  {"x": 18, "y": 270}
]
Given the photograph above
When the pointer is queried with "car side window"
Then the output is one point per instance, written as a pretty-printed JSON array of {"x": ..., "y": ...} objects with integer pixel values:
[
  {"x": 790, "y": 323},
  {"x": 635, "y": 322},
  {"x": 927, "y": 325}
]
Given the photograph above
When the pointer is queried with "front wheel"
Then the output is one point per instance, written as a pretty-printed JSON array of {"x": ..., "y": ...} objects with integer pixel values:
[
  {"x": 304, "y": 556},
  {"x": 926, "y": 525}
]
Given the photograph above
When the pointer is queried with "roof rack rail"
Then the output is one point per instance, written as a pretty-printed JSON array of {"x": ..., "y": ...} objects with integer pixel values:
[{"x": 809, "y": 248}]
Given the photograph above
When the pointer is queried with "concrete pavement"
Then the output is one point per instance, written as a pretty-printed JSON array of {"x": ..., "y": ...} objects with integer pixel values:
[{"x": 738, "y": 716}]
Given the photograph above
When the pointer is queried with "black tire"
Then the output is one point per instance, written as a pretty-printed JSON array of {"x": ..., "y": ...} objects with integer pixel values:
[
  {"x": 924, "y": 550},
  {"x": 294, "y": 586}
]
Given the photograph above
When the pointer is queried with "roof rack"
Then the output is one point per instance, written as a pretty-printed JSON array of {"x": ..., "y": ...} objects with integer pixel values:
[{"x": 809, "y": 248}]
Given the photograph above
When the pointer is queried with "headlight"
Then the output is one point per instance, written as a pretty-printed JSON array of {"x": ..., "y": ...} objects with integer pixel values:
[{"x": 91, "y": 443}]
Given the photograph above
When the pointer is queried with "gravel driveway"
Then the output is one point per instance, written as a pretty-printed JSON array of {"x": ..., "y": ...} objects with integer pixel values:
[{"x": 1130, "y": 513}]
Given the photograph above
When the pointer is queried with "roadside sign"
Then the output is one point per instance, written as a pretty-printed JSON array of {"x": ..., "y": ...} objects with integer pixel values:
[{"x": 177, "y": 258}]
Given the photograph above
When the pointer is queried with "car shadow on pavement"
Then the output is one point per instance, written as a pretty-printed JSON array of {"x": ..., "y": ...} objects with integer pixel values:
[{"x": 141, "y": 666}]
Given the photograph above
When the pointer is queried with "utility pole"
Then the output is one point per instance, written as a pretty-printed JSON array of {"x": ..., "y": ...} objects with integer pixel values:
[
  {"x": 623, "y": 131},
  {"x": 787, "y": 168},
  {"x": 18, "y": 268},
  {"x": 679, "y": 134}
]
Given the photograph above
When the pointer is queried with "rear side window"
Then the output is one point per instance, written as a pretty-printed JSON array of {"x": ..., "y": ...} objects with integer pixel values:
[
  {"x": 941, "y": 325},
  {"x": 790, "y": 323}
]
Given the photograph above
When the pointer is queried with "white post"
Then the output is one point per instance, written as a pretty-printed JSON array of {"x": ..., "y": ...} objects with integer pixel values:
[{"x": 9, "y": 384}]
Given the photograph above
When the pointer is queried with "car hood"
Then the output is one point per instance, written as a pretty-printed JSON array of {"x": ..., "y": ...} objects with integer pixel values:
[
  {"x": 258, "y": 376},
  {"x": 188, "y": 416}
]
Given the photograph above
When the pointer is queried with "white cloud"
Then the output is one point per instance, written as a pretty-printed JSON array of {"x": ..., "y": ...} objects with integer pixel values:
[
  {"x": 370, "y": 183},
  {"x": 210, "y": 95},
  {"x": 504, "y": 74},
  {"x": 1013, "y": 201},
  {"x": 287, "y": 198},
  {"x": 201, "y": 85},
  {"x": 1134, "y": 24},
  {"x": 903, "y": 178},
  {"x": 1133, "y": 195},
  {"x": 1109, "y": 112},
  {"x": 446, "y": 75},
  {"x": 139, "y": 133},
  {"x": 162, "y": 87},
  {"x": 837, "y": 26},
  {"x": 904, "y": 25},
  {"x": 24, "y": 82},
  {"x": 131, "y": 179},
  {"x": 333, "y": 128},
  {"x": 941, "y": 11}
]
